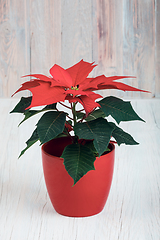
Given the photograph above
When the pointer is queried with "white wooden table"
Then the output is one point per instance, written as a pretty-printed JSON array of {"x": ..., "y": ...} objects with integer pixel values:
[{"x": 132, "y": 211}]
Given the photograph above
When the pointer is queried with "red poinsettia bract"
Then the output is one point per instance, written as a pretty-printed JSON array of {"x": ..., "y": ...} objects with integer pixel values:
[{"x": 72, "y": 84}]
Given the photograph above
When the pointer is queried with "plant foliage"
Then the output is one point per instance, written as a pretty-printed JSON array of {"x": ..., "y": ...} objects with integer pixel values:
[{"x": 89, "y": 125}]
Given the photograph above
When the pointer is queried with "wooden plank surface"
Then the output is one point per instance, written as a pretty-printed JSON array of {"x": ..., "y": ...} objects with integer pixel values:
[
  {"x": 132, "y": 210},
  {"x": 14, "y": 45},
  {"x": 110, "y": 36},
  {"x": 76, "y": 31},
  {"x": 122, "y": 37},
  {"x": 45, "y": 35},
  {"x": 110, "y": 40},
  {"x": 139, "y": 43},
  {"x": 157, "y": 55}
]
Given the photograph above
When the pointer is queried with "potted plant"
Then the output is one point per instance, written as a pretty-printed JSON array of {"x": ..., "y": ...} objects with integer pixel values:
[{"x": 77, "y": 151}]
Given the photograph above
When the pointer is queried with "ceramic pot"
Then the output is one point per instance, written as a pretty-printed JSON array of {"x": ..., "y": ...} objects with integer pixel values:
[{"x": 89, "y": 195}]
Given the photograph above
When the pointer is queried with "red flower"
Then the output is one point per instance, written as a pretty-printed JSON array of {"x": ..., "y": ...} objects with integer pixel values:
[{"x": 71, "y": 84}]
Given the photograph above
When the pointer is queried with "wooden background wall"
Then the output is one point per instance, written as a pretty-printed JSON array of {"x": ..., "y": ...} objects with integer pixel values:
[{"x": 122, "y": 36}]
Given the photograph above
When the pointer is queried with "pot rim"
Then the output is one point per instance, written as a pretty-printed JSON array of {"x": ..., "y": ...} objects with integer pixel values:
[{"x": 43, "y": 146}]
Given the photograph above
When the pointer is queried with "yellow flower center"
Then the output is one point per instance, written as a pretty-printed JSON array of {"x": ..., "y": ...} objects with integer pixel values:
[{"x": 75, "y": 88}]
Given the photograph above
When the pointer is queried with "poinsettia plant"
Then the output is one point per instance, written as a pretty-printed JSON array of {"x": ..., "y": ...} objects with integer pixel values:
[{"x": 88, "y": 123}]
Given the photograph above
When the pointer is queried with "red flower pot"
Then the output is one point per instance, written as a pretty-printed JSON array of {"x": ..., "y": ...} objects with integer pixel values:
[{"x": 89, "y": 195}]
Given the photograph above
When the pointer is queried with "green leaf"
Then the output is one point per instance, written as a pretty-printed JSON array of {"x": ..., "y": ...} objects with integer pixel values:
[
  {"x": 90, "y": 145},
  {"x": 61, "y": 135},
  {"x": 34, "y": 138},
  {"x": 79, "y": 115},
  {"x": 50, "y": 107},
  {"x": 118, "y": 109},
  {"x": 50, "y": 125},
  {"x": 22, "y": 105},
  {"x": 78, "y": 160},
  {"x": 122, "y": 137},
  {"x": 30, "y": 113},
  {"x": 96, "y": 114},
  {"x": 70, "y": 122},
  {"x": 99, "y": 130}
]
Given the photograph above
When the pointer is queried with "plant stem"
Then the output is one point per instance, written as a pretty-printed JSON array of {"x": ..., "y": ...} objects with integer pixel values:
[{"x": 74, "y": 112}]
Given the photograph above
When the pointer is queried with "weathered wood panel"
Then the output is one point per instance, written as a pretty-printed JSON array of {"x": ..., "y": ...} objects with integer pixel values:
[
  {"x": 126, "y": 41},
  {"x": 110, "y": 26},
  {"x": 157, "y": 53},
  {"x": 139, "y": 43},
  {"x": 110, "y": 38},
  {"x": 123, "y": 37},
  {"x": 14, "y": 45},
  {"x": 76, "y": 31},
  {"x": 45, "y": 35}
]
